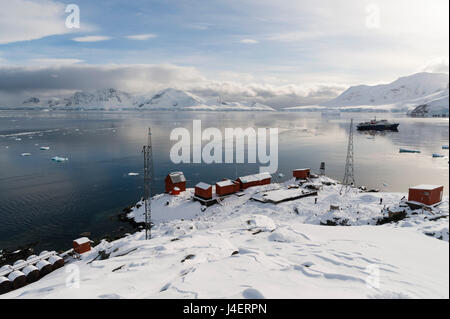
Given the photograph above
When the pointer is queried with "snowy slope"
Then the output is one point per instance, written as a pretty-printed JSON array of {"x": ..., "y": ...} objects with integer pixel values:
[
  {"x": 399, "y": 94},
  {"x": 436, "y": 105},
  {"x": 247, "y": 249},
  {"x": 171, "y": 99}
]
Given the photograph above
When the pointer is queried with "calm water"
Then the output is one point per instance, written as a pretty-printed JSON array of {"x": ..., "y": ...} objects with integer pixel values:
[{"x": 51, "y": 203}]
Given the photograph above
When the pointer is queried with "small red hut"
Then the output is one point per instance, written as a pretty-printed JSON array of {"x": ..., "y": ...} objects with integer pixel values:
[
  {"x": 81, "y": 245},
  {"x": 175, "y": 179},
  {"x": 226, "y": 187},
  {"x": 254, "y": 180},
  {"x": 426, "y": 194},
  {"x": 301, "y": 173},
  {"x": 203, "y": 190}
]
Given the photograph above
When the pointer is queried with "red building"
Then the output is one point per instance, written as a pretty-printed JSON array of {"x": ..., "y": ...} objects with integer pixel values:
[
  {"x": 426, "y": 194},
  {"x": 175, "y": 179},
  {"x": 203, "y": 190},
  {"x": 81, "y": 245},
  {"x": 254, "y": 180},
  {"x": 302, "y": 173},
  {"x": 227, "y": 187}
]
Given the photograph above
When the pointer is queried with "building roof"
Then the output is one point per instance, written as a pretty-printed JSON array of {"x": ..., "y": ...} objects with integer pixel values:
[
  {"x": 302, "y": 169},
  {"x": 177, "y": 177},
  {"x": 203, "y": 186},
  {"x": 255, "y": 178},
  {"x": 81, "y": 240},
  {"x": 227, "y": 182},
  {"x": 426, "y": 187}
]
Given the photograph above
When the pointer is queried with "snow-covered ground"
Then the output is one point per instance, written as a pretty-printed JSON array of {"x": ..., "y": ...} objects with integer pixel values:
[{"x": 243, "y": 248}]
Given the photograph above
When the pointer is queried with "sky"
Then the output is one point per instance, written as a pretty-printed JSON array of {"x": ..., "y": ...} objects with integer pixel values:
[{"x": 287, "y": 52}]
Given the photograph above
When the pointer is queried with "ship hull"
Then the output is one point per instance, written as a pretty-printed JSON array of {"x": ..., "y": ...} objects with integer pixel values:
[{"x": 391, "y": 127}]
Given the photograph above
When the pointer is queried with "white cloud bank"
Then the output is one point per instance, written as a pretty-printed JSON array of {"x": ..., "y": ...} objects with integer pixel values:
[
  {"x": 19, "y": 82},
  {"x": 141, "y": 37}
]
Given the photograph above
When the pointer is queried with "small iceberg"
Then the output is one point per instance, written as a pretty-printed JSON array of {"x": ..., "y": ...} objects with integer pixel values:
[
  {"x": 437, "y": 155},
  {"x": 404, "y": 150},
  {"x": 59, "y": 159},
  {"x": 25, "y": 154},
  {"x": 133, "y": 174},
  {"x": 281, "y": 175},
  {"x": 445, "y": 147},
  {"x": 45, "y": 148}
]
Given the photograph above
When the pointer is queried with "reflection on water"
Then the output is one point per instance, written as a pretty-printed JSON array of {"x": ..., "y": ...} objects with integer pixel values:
[{"x": 52, "y": 203}]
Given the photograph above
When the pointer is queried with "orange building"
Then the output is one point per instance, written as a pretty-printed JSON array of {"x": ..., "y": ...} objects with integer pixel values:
[
  {"x": 302, "y": 173},
  {"x": 254, "y": 180},
  {"x": 175, "y": 179},
  {"x": 81, "y": 245},
  {"x": 227, "y": 187},
  {"x": 203, "y": 190},
  {"x": 426, "y": 194}
]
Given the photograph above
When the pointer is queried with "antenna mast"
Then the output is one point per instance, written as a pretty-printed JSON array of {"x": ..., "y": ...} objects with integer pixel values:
[
  {"x": 349, "y": 177},
  {"x": 148, "y": 176}
]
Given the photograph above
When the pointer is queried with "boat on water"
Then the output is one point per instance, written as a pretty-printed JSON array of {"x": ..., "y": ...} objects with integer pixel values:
[{"x": 377, "y": 125}]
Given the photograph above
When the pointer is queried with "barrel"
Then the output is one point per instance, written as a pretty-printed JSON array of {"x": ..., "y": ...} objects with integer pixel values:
[
  {"x": 32, "y": 273},
  {"x": 18, "y": 279},
  {"x": 56, "y": 261},
  {"x": 31, "y": 257},
  {"x": 5, "y": 285},
  {"x": 44, "y": 267},
  {"x": 18, "y": 262}
]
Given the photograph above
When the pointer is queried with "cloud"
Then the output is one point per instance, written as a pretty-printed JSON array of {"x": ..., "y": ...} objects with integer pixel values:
[
  {"x": 22, "y": 20},
  {"x": 55, "y": 61},
  {"x": 91, "y": 38},
  {"x": 141, "y": 36},
  {"x": 249, "y": 41},
  {"x": 439, "y": 65},
  {"x": 145, "y": 78}
]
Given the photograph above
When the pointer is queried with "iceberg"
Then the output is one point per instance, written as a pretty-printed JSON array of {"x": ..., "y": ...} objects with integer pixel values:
[
  {"x": 45, "y": 148},
  {"x": 133, "y": 174},
  {"x": 25, "y": 154},
  {"x": 59, "y": 159}
]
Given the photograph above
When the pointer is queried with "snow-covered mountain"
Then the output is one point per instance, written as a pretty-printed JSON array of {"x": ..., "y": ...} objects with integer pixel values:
[
  {"x": 167, "y": 99},
  {"x": 170, "y": 99},
  {"x": 402, "y": 94}
]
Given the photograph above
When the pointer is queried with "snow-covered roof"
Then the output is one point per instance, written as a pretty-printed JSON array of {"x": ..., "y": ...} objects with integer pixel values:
[
  {"x": 41, "y": 264},
  {"x": 15, "y": 274},
  {"x": 255, "y": 178},
  {"x": 2, "y": 279},
  {"x": 177, "y": 177},
  {"x": 203, "y": 186},
  {"x": 81, "y": 240},
  {"x": 54, "y": 259},
  {"x": 28, "y": 269},
  {"x": 301, "y": 169},
  {"x": 426, "y": 187},
  {"x": 227, "y": 182}
]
